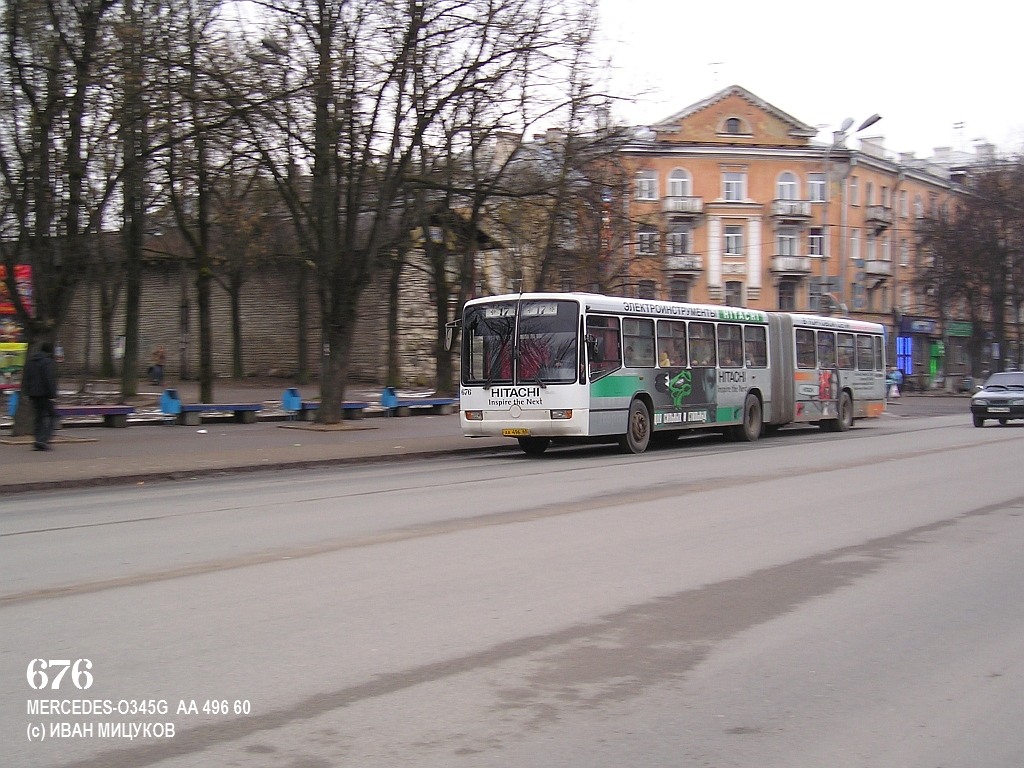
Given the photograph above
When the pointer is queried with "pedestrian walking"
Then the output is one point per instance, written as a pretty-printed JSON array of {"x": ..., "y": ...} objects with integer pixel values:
[
  {"x": 156, "y": 370},
  {"x": 39, "y": 384},
  {"x": 894, "y": 380}
]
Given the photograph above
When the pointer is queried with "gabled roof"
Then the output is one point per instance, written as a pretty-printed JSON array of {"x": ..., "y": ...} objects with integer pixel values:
[{"x": 798, "y": 128}]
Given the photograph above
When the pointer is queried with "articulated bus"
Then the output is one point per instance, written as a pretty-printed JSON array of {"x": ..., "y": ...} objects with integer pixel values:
[{"x": 577, "y": 367}]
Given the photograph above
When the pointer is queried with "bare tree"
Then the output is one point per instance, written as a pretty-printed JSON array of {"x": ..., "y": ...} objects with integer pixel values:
[
  {"x": 972, "y": 254},
  {"x": 47, "y": 92},
  {"x": 380, "y": 77}
]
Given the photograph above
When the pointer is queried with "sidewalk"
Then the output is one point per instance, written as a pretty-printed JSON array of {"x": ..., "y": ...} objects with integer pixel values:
[{"x": 150, "y": 450}]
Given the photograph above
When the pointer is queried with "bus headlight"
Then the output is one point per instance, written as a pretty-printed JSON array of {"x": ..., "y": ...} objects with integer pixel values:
[
  {"x": 561, "y": 413},
  {"x": 474, "y": 415}
]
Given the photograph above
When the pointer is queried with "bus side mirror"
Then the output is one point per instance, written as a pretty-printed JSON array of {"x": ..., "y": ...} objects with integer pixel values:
[{"x": 450, "y": 329}]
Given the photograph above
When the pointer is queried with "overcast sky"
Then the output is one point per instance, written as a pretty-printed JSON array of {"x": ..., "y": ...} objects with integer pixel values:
[{"x": 923, "y": 66}]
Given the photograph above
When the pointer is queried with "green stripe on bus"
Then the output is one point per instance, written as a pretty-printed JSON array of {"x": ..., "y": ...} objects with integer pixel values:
[
  {"x": 728, "y": 414},
  {"x": 615, "y": 386}
]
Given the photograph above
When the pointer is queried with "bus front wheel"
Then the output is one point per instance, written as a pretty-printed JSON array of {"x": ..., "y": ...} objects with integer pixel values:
[
  {"x": 534, "y": 446},
  {"x": 638, "y": 431}
]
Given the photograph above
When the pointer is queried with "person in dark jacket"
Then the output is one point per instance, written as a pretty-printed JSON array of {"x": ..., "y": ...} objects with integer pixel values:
[{"x": 39, "y": 383}]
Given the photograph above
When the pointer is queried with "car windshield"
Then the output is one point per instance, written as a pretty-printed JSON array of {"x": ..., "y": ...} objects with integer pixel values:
[{"x": 1004, "y": 381}]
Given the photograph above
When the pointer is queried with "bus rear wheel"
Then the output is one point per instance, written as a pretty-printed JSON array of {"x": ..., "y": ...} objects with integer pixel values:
[
  {"x": 638, "y": 430},
  {"x": 534, "y": 446},
  {"x": 750, "y": 429},
  {"x": 844, "y": 420}
]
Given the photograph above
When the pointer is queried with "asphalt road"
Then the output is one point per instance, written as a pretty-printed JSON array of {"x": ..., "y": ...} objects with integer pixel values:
[{"x": 810, "y": 599}]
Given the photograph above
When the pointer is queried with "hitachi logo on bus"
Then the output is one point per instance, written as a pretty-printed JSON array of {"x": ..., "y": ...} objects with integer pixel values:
[{"x": 515, "y": 392}]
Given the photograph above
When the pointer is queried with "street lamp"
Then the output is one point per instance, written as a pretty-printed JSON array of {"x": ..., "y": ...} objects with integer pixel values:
[{"x": 826, "y": 299}]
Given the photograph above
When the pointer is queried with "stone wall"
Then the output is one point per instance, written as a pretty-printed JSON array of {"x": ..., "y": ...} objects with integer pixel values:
[{"x": 269, "y": 327}]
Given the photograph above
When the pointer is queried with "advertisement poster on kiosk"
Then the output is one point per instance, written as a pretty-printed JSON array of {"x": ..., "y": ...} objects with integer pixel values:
[{"x": 12, "y": 335}]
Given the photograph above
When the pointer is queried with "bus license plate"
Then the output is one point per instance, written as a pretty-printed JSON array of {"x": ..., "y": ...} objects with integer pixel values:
[{"x": 518, "y": 432}]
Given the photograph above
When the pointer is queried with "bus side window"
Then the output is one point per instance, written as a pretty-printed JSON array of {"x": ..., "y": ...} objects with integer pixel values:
[
  {"x": 638, "y": 335},
  {"x": 755, "y": 346},
  {"x": 604, "y": 350},
  {"x": 826, "y": 349},
  {"x": 671, "y": 343},
  {"x": 730, "y": 346},
  {"x": 805, "y": 356},
  {"x": 702, "y": 344},
  {"x": 865, "y": 353},
  {"x": 847, "y": 355}
]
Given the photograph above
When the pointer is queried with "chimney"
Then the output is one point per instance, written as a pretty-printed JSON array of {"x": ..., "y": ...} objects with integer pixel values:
[{"x": 873, "y": 146}]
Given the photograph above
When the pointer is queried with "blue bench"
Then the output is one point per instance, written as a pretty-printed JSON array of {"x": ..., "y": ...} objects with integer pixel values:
[
  {"x": 190, "y": 414},
  {"x": 402, "y": 406},
  {"x": 305, "y": 410},
  {"x": 113, "y": 415}
]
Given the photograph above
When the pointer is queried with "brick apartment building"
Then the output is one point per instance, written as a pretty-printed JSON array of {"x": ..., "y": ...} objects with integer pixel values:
[{"x": 733, "y": 202}]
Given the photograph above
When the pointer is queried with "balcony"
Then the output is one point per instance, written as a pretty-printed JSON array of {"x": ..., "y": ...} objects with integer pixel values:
[
  {"x": 691, "y": 264},
  {"x": 685, "y": 206},
  {"x": 791, "y": 265},
  {"x": 791, "y": 210},
  {"x": 877, "y": 268},
  {"x": 878, "y": 216}
]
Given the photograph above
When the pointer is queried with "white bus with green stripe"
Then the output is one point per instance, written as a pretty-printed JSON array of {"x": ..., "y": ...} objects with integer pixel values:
[{"x": 547, "y": 368}]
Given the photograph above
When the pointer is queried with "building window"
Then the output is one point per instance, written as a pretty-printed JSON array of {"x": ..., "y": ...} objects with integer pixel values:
[
  {"x": 816, "y": 187},
  {"x": 904, "y": 253},
  {"x": 785, "y": 242},
  {"x": 679, "y": 240},
  {"x": 679, "y": 290},
  {"x": 646, "y": 289},
  {"x": 816, "y": 242},
  {"x": 734, "y": 293},
  {"x": 734, "y": 185},
  {"x": 646, "y": 185},
  {"x": 733, "y": 240},
  {"x": 733, "y": 125},
  {"x": 679, "y": 183},
  {"x": 854, "y": 243},
  {"x": 886, "y": 249},
  {"x": 904, "y": 209},
  {"x": 568, "y": 283},
  {"x": 869, "y": 194},
  {"x": 854, "y": 191},
  {"x": 786, "y": 188},
  {"x": 647, "y": 241},
  {"x": 885, "y": 197},
  {"x": 872, "y": 248},
  {"x": 918, "y": 207},
  {"x": 787, "y": 295}
]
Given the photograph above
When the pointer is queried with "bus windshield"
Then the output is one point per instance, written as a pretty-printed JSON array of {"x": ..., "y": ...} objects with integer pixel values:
[{"x": 542, "y": 347}]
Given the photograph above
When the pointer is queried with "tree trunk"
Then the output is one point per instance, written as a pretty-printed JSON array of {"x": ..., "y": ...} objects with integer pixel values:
[{"x": 334, "y": 371}]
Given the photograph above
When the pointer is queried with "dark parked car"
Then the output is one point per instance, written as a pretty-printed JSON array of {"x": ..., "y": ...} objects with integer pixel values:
[{"x": 1001, "y": 398}]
